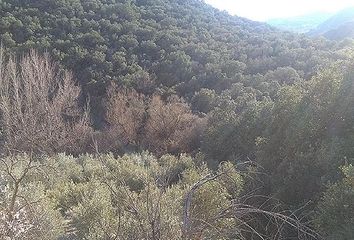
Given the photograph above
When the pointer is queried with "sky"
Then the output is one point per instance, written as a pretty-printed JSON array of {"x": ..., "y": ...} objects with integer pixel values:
[{"x": 262, "y": 10}]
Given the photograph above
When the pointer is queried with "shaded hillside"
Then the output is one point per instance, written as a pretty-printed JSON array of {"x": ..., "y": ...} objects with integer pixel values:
[{"x": 180, "y": 45}]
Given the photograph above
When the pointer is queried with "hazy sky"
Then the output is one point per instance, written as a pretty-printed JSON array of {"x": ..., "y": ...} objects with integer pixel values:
[{"x": 262, "y": 10}]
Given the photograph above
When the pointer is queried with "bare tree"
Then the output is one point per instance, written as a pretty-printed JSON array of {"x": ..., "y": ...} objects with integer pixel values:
[
  {"x": 124, "y": 116},
  {"x": 39, "y": 106},
  {"x": 160, "y": 126},
  {"x": 171, "y": 126}
]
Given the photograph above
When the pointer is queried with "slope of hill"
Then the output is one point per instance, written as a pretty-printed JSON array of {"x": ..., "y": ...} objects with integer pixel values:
[
  {"x": 300, "y": 24},
  {"x": 181, "y": 45},
  {"x": 345, "y": 30},
  {"x": 337, "y": 27},
  {"x": 235, "y": 114}
]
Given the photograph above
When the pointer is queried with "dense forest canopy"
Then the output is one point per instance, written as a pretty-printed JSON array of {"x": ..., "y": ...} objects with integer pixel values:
[
  {"x": 183, "y": 45},
  {"x": 159, "y": 119}
]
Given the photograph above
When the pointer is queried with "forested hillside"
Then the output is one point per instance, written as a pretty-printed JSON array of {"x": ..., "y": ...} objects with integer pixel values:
[
  {"x": 169, "y": 119},
  {"x": 186, "y": 45}
]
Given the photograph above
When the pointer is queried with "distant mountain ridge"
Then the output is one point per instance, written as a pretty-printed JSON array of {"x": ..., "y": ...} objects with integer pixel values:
[
  {"x": 338, "y": 27},
  {"x": 300, "y": 24},
  {"x": 340, "y": 18},
  {"x": 346, "y": 30}
]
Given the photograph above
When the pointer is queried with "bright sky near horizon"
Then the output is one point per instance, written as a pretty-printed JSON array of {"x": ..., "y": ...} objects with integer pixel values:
[{"x": 262, "y": 10}]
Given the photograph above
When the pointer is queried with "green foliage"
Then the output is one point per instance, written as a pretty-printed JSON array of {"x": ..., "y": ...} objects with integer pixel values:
[
  {"x": 129, "y": 197},
  {"x": 335, "y": 215},
  {"x": 188, "y": 45},
  {"x": 234, "y": 125},
  {"x": 278, "y": 100},
  {"x": 25, "y": 212},
  {"x": 308, "y": 134},
  {"x": 204, "y": 100}
]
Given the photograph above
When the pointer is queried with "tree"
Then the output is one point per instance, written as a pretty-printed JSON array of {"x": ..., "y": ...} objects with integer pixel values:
[
  {"x": 39, "y": 106},
  {"x": 335, "y": 216},
  {"x": 234, "y": 125},
  {"x": 125, "y": 114},
  {"x": 204, "y": 100},
  {"x": 171, "y": 127},
  {"x": 308, "y": 135}
]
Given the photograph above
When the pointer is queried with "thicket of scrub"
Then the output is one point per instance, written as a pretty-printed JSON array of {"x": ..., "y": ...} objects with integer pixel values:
[{"x": 136, "y": 196}]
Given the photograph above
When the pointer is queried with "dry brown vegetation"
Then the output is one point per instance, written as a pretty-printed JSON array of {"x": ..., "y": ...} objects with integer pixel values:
[
  {"x": 39, "y": 106},
  {"x": 171, "y": 126},
  {"x": 125, "y": 114},
  {"x": 160, "y": 126},
  {"x": 40, "y": 112}
]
